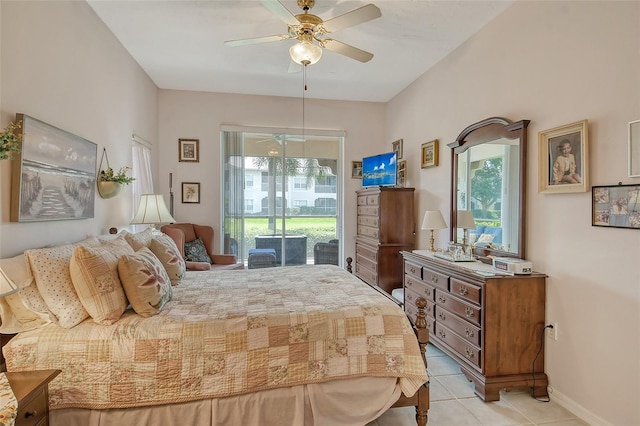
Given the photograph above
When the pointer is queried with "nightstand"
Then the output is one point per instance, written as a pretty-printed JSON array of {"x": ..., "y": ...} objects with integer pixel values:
[{"x": 32, "y": 392}]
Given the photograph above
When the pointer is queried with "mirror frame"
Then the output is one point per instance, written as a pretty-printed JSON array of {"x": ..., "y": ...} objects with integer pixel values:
[{"x": 476, "y": 134}]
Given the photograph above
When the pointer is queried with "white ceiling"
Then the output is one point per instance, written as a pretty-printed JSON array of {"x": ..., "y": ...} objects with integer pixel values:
[{"x": 179, "y": 44}]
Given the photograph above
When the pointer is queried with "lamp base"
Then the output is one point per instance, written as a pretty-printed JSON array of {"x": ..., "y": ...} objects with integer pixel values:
[{"x": 432, "y": 240}]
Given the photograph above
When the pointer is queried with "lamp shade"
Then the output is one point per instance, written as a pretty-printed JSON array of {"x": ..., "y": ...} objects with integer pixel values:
[
  {"x": 7, "y": 286},
  {"x": 465, "y": 220},
  {"x": 433, "y": 220},
  {"x": 152, "y": 210},
  {"x": 305, "y": 53}
]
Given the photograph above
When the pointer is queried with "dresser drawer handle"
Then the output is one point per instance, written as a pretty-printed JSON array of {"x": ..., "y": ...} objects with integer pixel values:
[
  {"x": 434, "y": 278},
  {"x": 413, "y": 270},
  {"x": 30, "y": 414},
  {"x": 469, "y": 353},
  {"x": 442, "y": 334},
  {"x": 463, "y": 291},
  {"x": 469, "y": 312},
  {"x": 442, "y": 316},
  {"x": 442, "y": 299},
  {"x": 410, "y": 297},
  {"x": 469, "y": 332},
  {"x": 409, "y": 283},
  {"x": 427, "y": 291}
]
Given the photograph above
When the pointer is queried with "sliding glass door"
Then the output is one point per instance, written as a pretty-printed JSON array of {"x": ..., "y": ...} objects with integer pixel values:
[{"x": 282, "y": 194}]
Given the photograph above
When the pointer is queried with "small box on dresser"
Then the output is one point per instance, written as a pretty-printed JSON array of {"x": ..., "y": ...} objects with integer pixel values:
[
  {"x": 386, "y": 226},
  {"x": 490, "y": 324}
]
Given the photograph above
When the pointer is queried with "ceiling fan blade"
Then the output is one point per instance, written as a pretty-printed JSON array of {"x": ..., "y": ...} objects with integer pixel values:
[
  {"x": 346, "y": 50},
  {"x": 254, "y": 40},
  {"x": 280, "y": 11},
  {"x": 355, "y": 17}
]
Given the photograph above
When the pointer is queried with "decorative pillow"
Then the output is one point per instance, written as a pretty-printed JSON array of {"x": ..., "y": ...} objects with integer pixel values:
[
  {"x": 195, "y": 251},
  {"x": 145, "y": 282},
  {"x": 94, "y": 274},
  {"x": 139, "y": 239},
  {"x": 16, "y": 315},
  {"x": 50, "y": 268},
  {"x": 166, "y": 250}
]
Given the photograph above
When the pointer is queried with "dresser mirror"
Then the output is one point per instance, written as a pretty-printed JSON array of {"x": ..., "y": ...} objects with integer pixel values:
[{"x": 488, "y": 178}]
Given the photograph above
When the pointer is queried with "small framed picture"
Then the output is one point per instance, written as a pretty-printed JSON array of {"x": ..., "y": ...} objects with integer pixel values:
[
  {"x": 356, "y": 169},
  {"x": 616, "y": 206},
  {"x": 634, "y": 149},
  {"x": 430, "y": 154},
  {"x": 191, "y": 192},
  {"x": 397, "y": 148},
  {"x": 563, "y": 159},
  {"x": 402, "y": 170},
  {"x": 188, "y": 150}
]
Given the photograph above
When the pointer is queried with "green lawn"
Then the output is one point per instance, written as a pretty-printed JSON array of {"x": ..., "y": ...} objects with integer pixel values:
[{"x": 315, "y": 228}]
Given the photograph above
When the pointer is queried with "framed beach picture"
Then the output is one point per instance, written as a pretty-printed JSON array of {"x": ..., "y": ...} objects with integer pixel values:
[
  {"x": 563, "y": 159},
  {"x": 191, "y": 192},
  {"x": 53, "y": 176},
  {"x": 188, "y": 150},
  {"x": 397, "y": 148}
]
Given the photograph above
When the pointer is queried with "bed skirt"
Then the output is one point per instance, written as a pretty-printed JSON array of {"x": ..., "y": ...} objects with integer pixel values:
[{"x": 348, "y": 402}]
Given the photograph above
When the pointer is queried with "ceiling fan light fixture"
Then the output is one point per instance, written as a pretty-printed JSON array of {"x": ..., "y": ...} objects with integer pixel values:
[{"x": 305, "y": 53}]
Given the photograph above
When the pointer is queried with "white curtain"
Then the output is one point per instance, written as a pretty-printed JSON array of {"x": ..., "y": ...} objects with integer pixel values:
[{"x": 141, "y": 153}]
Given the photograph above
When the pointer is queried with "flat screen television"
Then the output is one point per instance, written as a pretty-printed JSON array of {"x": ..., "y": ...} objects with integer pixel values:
[{"x": 379, "y": 170}]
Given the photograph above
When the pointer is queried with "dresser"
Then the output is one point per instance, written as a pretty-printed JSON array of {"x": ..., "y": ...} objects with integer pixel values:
[
  {"x": 491, "y": 324},
  {"x": 31, "y": 389},
  {"x": 386, "y": 226}
]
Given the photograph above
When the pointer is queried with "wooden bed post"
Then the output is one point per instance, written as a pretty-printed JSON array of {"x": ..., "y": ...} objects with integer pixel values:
[{"x": 422, "y": 406}]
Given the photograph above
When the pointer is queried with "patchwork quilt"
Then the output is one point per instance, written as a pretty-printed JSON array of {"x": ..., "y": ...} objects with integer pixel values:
[{"x": 226, "y": 333}]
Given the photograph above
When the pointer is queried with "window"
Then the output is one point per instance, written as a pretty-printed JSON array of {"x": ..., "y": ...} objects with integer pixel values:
[
  {"x": 141, "y": 171},
  {"x": 326, "y": 184},
  {"x": 248, "y": 206},
  {"x": 248, "y": 181},
  {"x": 300, "y": 183}
]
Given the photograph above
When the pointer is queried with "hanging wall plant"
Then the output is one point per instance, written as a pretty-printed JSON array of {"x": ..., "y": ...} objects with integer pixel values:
[
  {"x": 111, "y": 183},
  {"x": 10, "y": 139}
]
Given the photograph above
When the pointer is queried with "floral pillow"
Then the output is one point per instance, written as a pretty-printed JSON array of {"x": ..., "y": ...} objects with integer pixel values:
[
  {"x": 139, "y": 239},
  {"x": 145, "y": 282},
  {"x": 166, "y": 250},
  {"x": 195, "y": 251}
]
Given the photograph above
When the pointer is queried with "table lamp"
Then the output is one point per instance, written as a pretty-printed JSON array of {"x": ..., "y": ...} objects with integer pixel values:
[
  {"x": 433, "y": 220},
  {"x": 465, "y": 221},
  {"x": 152, "y": 211},
  {"x": 7, "y": 286}
]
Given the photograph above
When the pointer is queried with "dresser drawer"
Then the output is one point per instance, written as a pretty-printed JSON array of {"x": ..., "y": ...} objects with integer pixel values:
[
  {"x": 465, "y": 290},
  {"x": 464, "y": 328},
  {"x": 368, "y": 221},
  {"x": 419, "y": 287},
  {"x": 362, "y": 200},
  {"x": 368, "y": 231},
  {"x": 369, "y": 276},
  {"x": 373, "y": 200},
  {"x": 367, "y": 262},
  {"x": 410, "y": 298},
  {"x": 463, "y": 309},
  {"x": 368, "y": 211},
  {"x": 35, "y": 411},
  {"x": 413, "y": 270},
  {"x": 435, "y": 279},
  {"x": 464, "y": 349},
  {"x": 367, "y": 251}
]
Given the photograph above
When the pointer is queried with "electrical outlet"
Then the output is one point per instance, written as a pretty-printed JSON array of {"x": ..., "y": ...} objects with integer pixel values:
[{"x": 552, "y": 332}]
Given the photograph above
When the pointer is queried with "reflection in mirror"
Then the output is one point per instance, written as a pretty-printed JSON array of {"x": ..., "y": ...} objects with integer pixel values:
[{"x": 488, "y": 180}]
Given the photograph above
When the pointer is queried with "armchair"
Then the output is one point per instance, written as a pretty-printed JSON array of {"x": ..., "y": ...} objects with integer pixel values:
[
  {"x": 326, "y": 253},
  {"x": 182, "y": 233}
]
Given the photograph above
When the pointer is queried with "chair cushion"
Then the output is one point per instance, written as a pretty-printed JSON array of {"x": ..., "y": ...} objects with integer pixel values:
[{"x": 195, "y": 251}]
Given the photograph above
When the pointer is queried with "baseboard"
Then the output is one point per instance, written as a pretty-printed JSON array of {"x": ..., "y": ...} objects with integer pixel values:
[{"x": 578, "y": 409}]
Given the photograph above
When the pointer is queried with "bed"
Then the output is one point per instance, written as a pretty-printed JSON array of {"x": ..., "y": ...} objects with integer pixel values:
[{"x": 298, "y": 345}]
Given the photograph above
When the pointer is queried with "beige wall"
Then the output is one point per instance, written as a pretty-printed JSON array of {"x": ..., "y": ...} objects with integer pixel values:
[
  {"x": 553, "y": 63},
  {"x": 61, "y": 65},
  {"x": 199, "y": 115}
]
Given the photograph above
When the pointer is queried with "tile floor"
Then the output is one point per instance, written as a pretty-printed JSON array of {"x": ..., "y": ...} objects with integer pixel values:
[{"x": 453, "y": 403}]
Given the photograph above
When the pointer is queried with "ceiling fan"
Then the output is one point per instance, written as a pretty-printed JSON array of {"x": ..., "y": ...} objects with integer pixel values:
[{"x": 311, "y": 31}]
